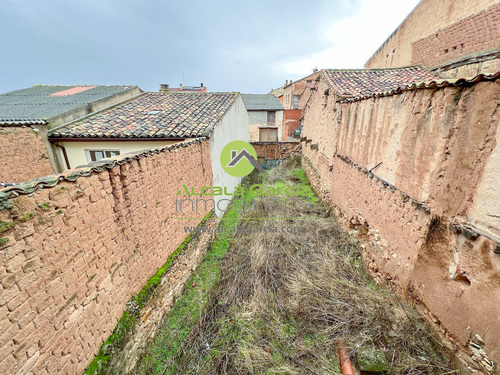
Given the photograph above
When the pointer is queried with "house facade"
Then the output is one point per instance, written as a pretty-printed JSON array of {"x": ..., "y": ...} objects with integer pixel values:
[
  {"x": 265, "y": 116},
  {"x": 293, "y": 102},
  {"x": 157, "y": 119},
  {"x": 27, "y": 115}
]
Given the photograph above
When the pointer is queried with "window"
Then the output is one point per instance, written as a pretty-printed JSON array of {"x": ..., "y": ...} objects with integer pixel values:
[
  {"x": 268, "y": 135},
  {"x": 295, "y": 101},
  {"x": 271, "y": 118},
  {"x": 96, "y": 155}
]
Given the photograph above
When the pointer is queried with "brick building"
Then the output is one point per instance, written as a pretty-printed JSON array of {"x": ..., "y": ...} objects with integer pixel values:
[
  {"x": 454, "y": 39},
  {"x": 294, "y": 95},
  {"x": 26, "y": 115}
]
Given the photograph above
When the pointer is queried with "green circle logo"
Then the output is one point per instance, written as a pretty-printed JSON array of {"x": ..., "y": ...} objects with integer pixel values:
[{"x": 238, "y": 158}]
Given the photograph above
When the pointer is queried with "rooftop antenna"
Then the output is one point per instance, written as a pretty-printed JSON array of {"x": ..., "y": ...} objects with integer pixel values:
[{"x": 183, "y": 81}]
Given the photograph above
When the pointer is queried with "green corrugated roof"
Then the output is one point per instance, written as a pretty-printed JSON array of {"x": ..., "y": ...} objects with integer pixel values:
[
  {"x": 261, "y": 102},
  {"x": 35, "y": 104}
]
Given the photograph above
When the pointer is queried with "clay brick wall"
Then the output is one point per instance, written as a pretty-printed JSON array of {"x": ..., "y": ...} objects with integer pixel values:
[
  {"x": 74, "y": 254},
  {"x": 406, "y": 167},
  {"x": 427, "y": 19},
  {"x": 291, "y": 120},
  {"x": 23, "y": 155},
  {"x": 479, "y": 32}
]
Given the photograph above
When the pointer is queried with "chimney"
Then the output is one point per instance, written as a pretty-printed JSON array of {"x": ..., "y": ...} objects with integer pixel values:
[
  {"x": 201, "y": 84},
  {"x": 180, "y": 86},
  {"x": 164, "y": 87}
]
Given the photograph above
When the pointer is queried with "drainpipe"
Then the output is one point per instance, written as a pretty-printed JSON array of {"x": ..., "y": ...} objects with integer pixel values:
[{"x": 63, "y": 149}]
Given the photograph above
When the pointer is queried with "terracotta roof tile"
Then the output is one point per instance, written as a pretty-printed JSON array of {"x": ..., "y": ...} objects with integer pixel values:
[
  {"x": 435, "y": 83},
  {"x": 154, "y": 115},
  {"x": 361, "y": 82}
]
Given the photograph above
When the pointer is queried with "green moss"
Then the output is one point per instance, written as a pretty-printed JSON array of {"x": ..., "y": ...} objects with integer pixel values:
[
  {"x": 5, "y": 225},
  {"x": 128, "y": 319},
  {"x": 3, "y": 241},
  {"x": 58, "y": 212},
  {"x": 26, "y": 216},
  {"x": 44, "y": 207}
]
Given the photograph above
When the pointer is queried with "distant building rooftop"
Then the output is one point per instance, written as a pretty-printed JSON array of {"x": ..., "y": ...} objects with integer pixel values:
[
  {"x": 359, "y": 82},
  {"x": 200, "y": 88},
  {"x": 261, "y": 102},
  {"x": 37, "y": 104},
  {"x": 153, "y": 115}
]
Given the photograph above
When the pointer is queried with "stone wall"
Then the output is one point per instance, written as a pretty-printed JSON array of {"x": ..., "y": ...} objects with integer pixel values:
[
  {"x": 443, "y": 25},
  {"x": 23, "y": 154},
  {"x": 277, "y": 150},
  {"x": 410, "y": 171},
  {"x": 72, "y": 255}
]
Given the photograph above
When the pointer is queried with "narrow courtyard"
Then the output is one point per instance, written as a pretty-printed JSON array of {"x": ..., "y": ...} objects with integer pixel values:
[{"x": 282, "y": 295}]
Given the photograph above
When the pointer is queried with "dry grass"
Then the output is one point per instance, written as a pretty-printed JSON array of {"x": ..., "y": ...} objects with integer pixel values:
[{"x": 283, "y": 301}]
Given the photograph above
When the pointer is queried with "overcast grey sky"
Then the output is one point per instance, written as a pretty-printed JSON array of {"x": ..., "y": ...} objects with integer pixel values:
[{"x": 247, "y": 46}]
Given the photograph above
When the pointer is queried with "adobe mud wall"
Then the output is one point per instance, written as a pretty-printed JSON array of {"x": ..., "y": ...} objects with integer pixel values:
[
  {"x": 72, "y": 255},
  {"x": 124, "y": 360},
  {"x": 418, "y": 173},
  {"x": 23, "y": 154},
  {"x": 449, "y": 28}
]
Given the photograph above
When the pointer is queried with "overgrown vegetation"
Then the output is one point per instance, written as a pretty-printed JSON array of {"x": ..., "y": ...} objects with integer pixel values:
[
  {"x": 128, "y": 320},
  {"x": 278, "y": 303}
]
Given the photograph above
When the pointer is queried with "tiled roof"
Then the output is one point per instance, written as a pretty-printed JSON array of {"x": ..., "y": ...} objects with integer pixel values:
[
  {"x": 261, "y": 102},
  {"x": 154, "y": 115},
  {"x": 360, "y": 82},
  {"x": 432, "y": 84},
  {"x": 36, "y": 104}
]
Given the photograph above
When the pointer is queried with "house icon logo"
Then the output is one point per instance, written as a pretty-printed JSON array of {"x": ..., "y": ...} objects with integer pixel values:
[{"x": 239, "y": 159}]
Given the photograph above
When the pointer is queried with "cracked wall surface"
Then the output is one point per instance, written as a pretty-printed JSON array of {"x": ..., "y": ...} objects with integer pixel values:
[{"x": 419, "y": 171}]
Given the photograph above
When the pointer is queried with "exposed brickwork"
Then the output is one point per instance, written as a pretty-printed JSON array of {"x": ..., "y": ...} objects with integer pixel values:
[
  {"x": 479, "y": 32},
  {"x": 428, "y": 17},
  {"x": 428, "y": 151},
  {"x": 291, "y": 121},
  {"x": 23, "y": 155},
  {"x": 79, "y": 251}
]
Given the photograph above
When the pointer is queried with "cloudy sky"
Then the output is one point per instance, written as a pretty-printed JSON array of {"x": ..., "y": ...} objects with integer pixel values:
[{"x": 247, "y": 46}]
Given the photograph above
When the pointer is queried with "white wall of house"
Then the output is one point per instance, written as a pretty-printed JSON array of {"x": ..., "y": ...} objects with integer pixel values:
[
  {"x": 232, "y": 126},
  {"x": 258, "y": 119},
  {"x": 77, "y": 151}
]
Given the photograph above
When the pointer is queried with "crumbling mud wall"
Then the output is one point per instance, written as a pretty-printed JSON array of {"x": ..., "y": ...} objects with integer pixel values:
[
  {"x": 23, "y": 154},
  {"x": 417, "y": 173},
  {"x": 73, "y": 253}
]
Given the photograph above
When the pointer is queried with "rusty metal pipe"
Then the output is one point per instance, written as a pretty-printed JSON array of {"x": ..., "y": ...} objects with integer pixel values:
[{"x": 344, "y": 359}]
